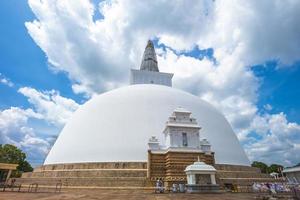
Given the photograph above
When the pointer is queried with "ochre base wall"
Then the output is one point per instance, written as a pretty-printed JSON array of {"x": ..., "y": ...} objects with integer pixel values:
[{"x": 170, "y": 166}]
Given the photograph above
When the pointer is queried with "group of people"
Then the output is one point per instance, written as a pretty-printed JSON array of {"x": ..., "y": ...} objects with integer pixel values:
[
  {"x": 159, "y": 187},
  {"x": 271, "y": 187}
]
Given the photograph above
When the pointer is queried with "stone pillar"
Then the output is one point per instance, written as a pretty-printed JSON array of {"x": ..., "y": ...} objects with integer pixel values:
[
  {"x": 213, "y": 179},
  {"x": 191, "y": 179},
  {"x": 149, "y": 165},
  {"x": 8, "y": 175}
]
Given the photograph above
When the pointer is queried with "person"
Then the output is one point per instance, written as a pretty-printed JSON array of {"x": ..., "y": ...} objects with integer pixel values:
[
  {"x": 174, "y": 187},
  {"x": 272, "y": 188},
  {"x": 255, "y": 187},
  {"x": 157, "y": 186},
  {"x": 269, "y": 188},
  {"x": 161, "y": 186}
]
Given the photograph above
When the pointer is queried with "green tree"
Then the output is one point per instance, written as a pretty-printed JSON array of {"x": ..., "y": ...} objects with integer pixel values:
[
  {"x": 11, "y": 154},
  {"x": 262, "y": 166},
  {"x": 297, "y": 165},
  {"x": 275, "y": 168}
]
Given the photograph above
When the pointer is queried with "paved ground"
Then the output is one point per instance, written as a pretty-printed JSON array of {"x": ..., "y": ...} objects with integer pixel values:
[{"x": 96, "y": 194}]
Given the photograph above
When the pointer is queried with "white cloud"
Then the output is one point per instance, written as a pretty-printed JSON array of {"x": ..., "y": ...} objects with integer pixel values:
[
  {"x": 35, "y": 147},
  {"x": 97, "y": 55},
  {"x": 50, "y": 105},
  {"x": 259, "y": 30},
  {"x": 268, "y": 107},
  {"x": 279, "y": 142},
  {"x": 6, "y": 81},
  {"x": 49, "y": 109},
  {"x": 15, "y": 129},
  {"x": 14, "y": 119}
]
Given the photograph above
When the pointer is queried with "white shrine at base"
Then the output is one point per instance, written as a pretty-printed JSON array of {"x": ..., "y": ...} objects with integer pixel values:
[
  {"x": 201, "y": 177},
  {"x": 200, "y": 173}
]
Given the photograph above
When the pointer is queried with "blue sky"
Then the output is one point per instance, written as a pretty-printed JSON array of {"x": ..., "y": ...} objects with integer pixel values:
[
  {"x": 280, "y": 88},
  {"x": 35, "y": 71},
  {"x": 22, "y": 61}
]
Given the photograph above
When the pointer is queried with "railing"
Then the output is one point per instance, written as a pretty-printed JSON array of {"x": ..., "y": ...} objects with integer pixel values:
[
  {"x": 12, "y": 186},
  {"x": 32, "y": 187}
]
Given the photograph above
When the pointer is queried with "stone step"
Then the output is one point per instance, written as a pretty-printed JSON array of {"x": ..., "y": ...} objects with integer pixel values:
[
  {"x": 241, "y": 174},
  {"x": 99, "y": 182},
  {"x": 245, "y": 181},
  {"x": 88, "y": 173},
  {"x": 225, "y": 167},
  {"x": 101, "y": 165}
]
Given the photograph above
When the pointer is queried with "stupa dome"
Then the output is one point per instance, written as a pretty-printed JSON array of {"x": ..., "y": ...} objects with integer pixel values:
[{"x": 115, "y": 126}]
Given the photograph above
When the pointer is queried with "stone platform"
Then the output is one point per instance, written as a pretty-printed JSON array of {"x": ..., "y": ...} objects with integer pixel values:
[
  {"x": 126, "y": 175},
  {"x": 120, "y": 174},
  {"x": 240, "y": 178}
]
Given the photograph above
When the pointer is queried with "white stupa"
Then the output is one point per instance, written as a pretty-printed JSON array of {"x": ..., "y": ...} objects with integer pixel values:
[{"x": 115, "y": 126}]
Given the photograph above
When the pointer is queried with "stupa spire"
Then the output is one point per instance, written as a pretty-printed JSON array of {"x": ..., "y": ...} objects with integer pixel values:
[{"x": 149, "y": 62}]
